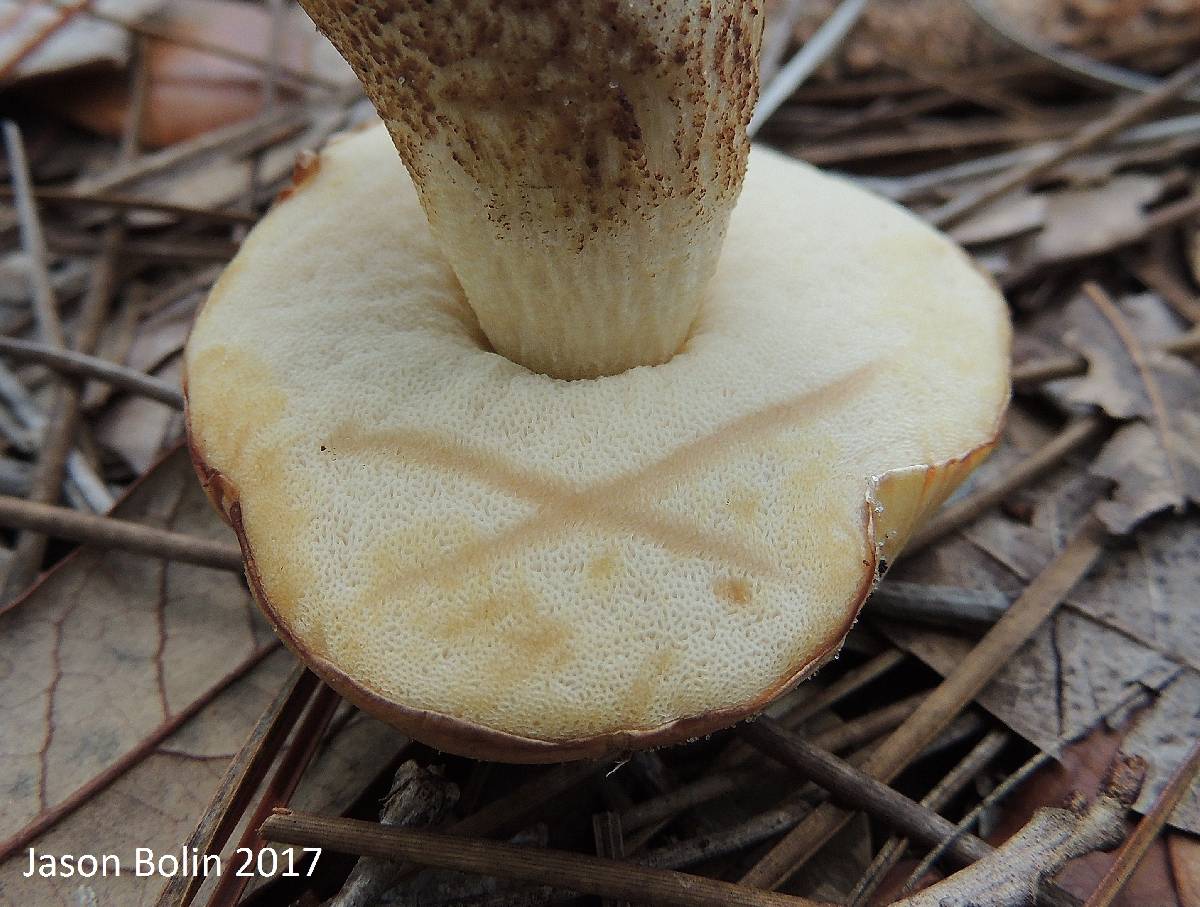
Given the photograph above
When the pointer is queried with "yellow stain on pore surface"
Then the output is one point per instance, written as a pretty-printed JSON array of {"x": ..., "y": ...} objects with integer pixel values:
[
  {"x": 734, "y": 590},
  {"x": 513, "y": 639},
  {"x": 602, "y": 568},
  {"x": 653, "y": 676},
  {"x": 744, "y": 504}
]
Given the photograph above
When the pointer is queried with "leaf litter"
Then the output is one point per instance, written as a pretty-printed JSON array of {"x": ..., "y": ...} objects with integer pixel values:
[{"x": 110, "y": 647}]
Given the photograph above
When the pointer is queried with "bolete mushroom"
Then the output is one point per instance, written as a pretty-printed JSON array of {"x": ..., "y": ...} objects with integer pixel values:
[{"x": 551, "y": 442}]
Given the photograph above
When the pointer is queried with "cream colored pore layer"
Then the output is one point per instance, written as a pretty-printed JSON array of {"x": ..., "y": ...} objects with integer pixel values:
[{"x": 563, "y": 559}]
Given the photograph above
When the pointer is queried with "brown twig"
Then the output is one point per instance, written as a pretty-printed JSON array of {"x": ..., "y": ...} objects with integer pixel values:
[
  {"x": 1124, "y": 114},
  {"x": 1032, "y": 374},
  {"x": 1006, "y": 787},
  {"x": 243, "y": 774},
  {"x": 115, "y": 200},
  {"x": 943, "y": 606},
  {"x": 165, "y": 250},
  {"x": 855, "y": 788},
  {"x": 754, "y": 830},
  {"x": 237, "y": 138},
  {"x": 46, "y": 480},
  {"x": 940, "y": 137},
  {"x": 144, "y": 748},
  {"x": 81, "y": 365},
  {"x": 959, "y": 687},
  {"x": 109, "y": 532},
  {"x": 64, "y": 419},
  {"x": 572, "y": 871},
  {"x": 278, "y": 792},
  {"x": 947, "y": 788},
  {"x": 1147, "y": 830},
  {"x": 719, "y": 782}
]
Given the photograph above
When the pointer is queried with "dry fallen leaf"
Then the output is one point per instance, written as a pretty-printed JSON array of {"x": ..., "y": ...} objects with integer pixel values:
[
  {"x": 155, "y": 805},
  {"x": 1114, "y": 381},
  {"x": 1014, "y": 214},
  {"x": 1154, "y": 462},
  {"x": 97, "y": 656},
  {"x": 941, "y": 35},
  {"x": 108, "y": 646},
  {"x": 1148, "y": 478},
  {"x": 1130, "y": 626},
  {"x": 191, "y": 92},
  {"x": 38, "y": 39},
  {"x": 1082, "y": 222}
]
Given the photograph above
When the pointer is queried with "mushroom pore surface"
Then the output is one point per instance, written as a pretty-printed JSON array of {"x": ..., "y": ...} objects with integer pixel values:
[{"x": 514, "y": 566}]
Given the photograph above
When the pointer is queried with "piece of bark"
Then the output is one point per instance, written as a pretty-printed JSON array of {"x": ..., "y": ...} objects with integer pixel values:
[
  {"x": 1012, "y": 875},
  {"x": 419, "y": 797}
]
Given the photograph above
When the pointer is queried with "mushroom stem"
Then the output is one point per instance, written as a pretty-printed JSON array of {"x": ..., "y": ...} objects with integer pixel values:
[{"x": 577, "y": 159}]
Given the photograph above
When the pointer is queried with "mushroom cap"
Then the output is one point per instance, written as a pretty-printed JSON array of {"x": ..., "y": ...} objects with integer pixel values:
[{"x": 517, "y": 567}]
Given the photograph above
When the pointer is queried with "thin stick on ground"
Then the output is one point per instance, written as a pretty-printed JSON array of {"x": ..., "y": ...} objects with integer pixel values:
[
  {"x": 719, "y": 782},
  {"x": 278, "y": 792},
  {"x": 124, "y": 535},
  {"x": 46, "y": 481},
  {"x": 963, "y": 684},
  {"x": 1125, "y": 114},
  {"x": 242, "y": 776},
  {"x": 1019, "y": 872},
  {"x": 1002, "y": 790},
  {"x": 949, "y": 787},
  {"x": 572, "y": 871},
  {"x": 81, "y": 365},
  {"x": 1036, "y": 373},
  {"x": 852, "y": 787},
  {"x": 63, "y": 425},
  {"x": 69, "y": 197}
]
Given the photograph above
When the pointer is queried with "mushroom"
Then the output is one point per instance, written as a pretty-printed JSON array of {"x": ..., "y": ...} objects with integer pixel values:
[{"x": 558, "y": 440}]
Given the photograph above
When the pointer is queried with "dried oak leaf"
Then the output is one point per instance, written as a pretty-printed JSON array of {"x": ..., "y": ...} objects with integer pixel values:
[
  {"x": 1013, "y": 214},
  {"x": 1153, "y": 471},
  {"x": 1155, "y": 462},
  {"x": 1114, "y": 381},
  {"x": 93, "y": 660},
  {"x": 155, "y": 805},
  {"x": 1083, "y": 222},
  {"x": 1132, "y": 627}
]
